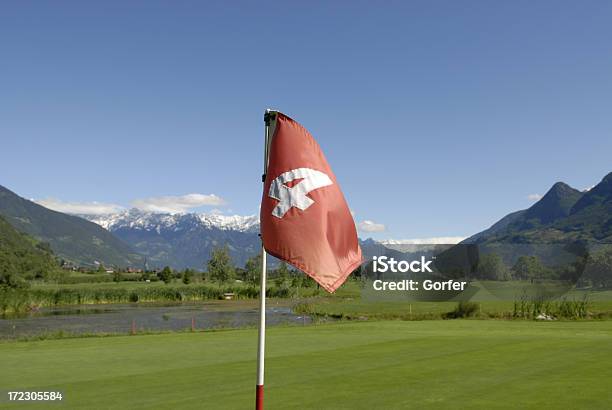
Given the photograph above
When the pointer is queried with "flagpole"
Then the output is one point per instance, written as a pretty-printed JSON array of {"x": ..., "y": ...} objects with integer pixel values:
[{"x": 261, "y": 345}]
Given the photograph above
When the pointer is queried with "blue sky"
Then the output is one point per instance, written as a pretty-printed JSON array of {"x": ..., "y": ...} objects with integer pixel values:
[{"x": 438, "y": 118}]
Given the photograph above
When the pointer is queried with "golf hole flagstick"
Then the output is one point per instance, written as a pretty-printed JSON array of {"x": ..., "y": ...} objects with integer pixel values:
[{"x": 304, "y": 217}]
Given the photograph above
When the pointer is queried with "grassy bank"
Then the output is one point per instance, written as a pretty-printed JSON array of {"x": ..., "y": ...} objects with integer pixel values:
[
  {"x": 507, "y": 302},
  {"x": 44, "y": 295},
  {"x": 494, "y": 300},
  {"x": 392, "y": 364},
  {"x": 357, "y": 309}
]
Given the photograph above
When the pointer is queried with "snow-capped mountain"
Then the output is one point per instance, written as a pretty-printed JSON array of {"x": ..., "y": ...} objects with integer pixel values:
[
  {"x": 137, "y": 219},
  {"x": 183, "y": 240}
]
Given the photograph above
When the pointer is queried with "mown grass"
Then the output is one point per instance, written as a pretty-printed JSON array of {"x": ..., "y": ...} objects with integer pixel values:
[{"x": 366, "y": 365}]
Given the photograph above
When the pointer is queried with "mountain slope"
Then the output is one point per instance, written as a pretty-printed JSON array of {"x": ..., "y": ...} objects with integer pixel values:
[
  {"x": 599, "y": 195},
  {"x": 497, "y": 227},
  {"x": 591, "y": 217},
  {"x": 71, "y": 238},
  {"x": 555, "y": 205},
  {"x": 21, "y": 256},
  {"x": 563, "y": 215}
]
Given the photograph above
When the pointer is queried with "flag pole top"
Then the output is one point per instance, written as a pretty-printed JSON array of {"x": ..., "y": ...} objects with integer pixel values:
[{"x": 269, "y": 115}]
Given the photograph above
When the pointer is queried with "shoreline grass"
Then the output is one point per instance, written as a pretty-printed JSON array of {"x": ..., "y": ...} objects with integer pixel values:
[{"x": 22, "y": 300}]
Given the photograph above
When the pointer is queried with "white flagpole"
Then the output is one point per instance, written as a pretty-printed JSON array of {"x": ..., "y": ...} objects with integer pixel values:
[{"x": 261, "y": 346}]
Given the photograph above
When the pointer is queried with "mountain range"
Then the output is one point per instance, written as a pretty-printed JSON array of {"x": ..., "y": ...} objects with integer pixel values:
[
  {"x": 563, "y": 215},
  {"x": 183, "y": 240}
]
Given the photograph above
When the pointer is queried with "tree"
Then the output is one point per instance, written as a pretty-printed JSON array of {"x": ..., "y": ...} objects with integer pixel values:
[
  {"x": 300, "y": 279},
  {"x": 492, "y": 267},
  {"x": 187, "y": 276},
  {"x": 528, "y": 267},
  {"x": 45, "y": 247},
  {"x": 252, "y": 270},
  {"x": 8, "y": 276},
  {"x": 165, "y": 274},
  {"x": 599, "y": 268},
  {"x": 282, "y": 274},
  {"x": 220, "y": 266}
]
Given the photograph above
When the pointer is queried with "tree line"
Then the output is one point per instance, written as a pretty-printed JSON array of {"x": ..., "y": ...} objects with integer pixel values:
[
  {"x": 220, "y": 268},
  {"x": 587, "y": 270}
]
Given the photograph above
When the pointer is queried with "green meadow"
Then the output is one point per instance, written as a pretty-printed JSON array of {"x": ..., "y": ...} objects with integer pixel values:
[{"x": 432, "y": 364}]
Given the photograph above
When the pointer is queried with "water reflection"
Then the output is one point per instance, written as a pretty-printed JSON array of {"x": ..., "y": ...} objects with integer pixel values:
[{"x": 127, "y": 318}]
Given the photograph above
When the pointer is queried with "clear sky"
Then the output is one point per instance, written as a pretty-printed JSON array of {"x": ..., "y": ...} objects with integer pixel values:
[{"x": 438, "y": 117}]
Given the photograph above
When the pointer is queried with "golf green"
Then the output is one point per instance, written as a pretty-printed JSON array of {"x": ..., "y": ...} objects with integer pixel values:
[{"x": 352, "y": 365}]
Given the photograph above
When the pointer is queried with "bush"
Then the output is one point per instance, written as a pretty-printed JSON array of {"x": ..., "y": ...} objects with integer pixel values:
[
  {"x": 463, "y": 309},
  {"x": 165, "y": 275},
  {"x": 220, "y": 267},
  {"x": 527, "y": 308},
  {"x": 187, "y": 276}
]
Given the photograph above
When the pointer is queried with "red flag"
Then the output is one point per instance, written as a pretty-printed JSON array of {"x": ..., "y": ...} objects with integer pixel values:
[{"x": 305, "y": 220}]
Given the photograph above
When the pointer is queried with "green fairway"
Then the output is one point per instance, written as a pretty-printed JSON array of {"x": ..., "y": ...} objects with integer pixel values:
[{"x": 393, "y": 364}]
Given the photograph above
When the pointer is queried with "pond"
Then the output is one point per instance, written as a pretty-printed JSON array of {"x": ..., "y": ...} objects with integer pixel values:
[{"x": 139, "y": 317}]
